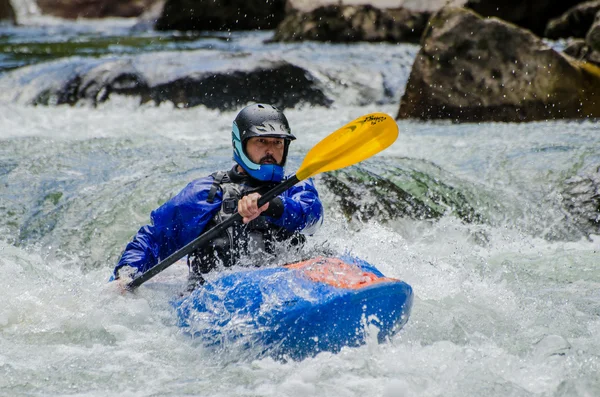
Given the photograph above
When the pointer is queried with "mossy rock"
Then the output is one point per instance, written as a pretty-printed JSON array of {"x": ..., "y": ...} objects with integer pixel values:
[{"x": 387, "y": 191}]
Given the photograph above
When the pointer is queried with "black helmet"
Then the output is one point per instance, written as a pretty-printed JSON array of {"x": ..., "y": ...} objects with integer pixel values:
[{"x": 264, "y": 121}]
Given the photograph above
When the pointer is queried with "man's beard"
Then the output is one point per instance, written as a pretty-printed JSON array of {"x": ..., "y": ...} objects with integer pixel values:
[{"x": 268, "y": 159}]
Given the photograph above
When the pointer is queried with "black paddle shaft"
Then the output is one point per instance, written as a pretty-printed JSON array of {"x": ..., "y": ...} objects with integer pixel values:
[{"x": 209, "y": 235}]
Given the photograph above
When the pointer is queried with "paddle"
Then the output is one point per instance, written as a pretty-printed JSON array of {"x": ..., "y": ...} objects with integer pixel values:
[{"x": 351, "y": 144}]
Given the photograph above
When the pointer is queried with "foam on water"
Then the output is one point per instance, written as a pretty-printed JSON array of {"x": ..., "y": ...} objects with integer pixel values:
[{"x": 500, "y": 310}]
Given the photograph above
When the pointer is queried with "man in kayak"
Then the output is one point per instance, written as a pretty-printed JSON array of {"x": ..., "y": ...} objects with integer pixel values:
[{"x": 261, "y": 137}]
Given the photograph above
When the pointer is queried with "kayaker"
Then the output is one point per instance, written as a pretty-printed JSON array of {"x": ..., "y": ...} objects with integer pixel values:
[{"x": 261, "y": 137}]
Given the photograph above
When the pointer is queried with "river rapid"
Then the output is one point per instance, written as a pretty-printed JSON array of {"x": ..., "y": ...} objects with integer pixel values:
[{"x": 506, "y": 307}]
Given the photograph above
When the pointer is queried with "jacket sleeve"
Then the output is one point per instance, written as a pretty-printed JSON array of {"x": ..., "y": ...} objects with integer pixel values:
[
  {"x": 302, "y": 208},
  {"x": 174, "y": 224}
]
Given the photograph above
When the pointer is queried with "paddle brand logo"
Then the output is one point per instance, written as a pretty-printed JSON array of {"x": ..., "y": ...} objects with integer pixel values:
[{"x": 374, "y": 119}]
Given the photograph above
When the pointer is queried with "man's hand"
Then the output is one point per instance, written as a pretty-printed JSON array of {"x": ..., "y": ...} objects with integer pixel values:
[
  {"x": 248, "y": 207},
  {"x": 125, "y": 276}
]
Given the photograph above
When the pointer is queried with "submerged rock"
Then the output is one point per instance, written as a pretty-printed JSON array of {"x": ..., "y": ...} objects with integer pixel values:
[
  {"x": 202, "y": 15},
  {"x": 95, "y": 85},
  {"x": 336, "y": 23},
  {"x": 475, "y": 69},
  {"x": 385, "y": 192},
  {"x": 215, "y": 80}
]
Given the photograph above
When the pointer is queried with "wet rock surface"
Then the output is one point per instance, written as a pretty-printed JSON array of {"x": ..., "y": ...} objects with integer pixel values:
[
  {"x": 385, "y": 192},
  {"x": 575, "y": 22},
  {"x": 343, "y": 24},
  {"x": 416, "y": 5},
  {"x": 475, "y": 69},
  {"x": 215, "y": 80}
]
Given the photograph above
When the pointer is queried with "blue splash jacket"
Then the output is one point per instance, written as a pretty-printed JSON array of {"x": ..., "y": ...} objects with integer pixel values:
[{"x": 185, "y": 216}]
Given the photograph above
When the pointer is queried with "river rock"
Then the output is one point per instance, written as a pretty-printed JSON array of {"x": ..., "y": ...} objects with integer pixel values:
[
  {"x": 336, "y": 23},
  {"x": 592, "y": 37},
  {"x": 73, "y": 9},
  {"x": 580, "y": 50},
  {"x": 530, "y": 14},
  {"x": 414, "y": 5},
  {"x": 7, "y": 13},
  {"x": 576, "y": 48},
  {"x": 475, "y": 69},
  {"x": 388, "y": 191},
  {"x": 210, "y": 78},
  {"x": 200, "y": 15},
  {"x": 574, "y": 23}
]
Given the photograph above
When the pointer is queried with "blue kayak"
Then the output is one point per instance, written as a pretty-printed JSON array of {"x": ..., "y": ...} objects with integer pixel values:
[{"x": 297, "y": 310}]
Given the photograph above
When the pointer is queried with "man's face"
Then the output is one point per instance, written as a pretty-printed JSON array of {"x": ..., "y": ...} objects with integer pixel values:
[{"x": 265, "y": 150}]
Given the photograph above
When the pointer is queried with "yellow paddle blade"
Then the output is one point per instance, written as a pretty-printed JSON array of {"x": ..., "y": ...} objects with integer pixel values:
[{"x": 351, "y": 144}]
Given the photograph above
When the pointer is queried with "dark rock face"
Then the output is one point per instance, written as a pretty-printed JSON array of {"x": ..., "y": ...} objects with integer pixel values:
[
  {"x": 281, "y": 84},
  {"x": 577, "y": 49},
  {"x": 419, "y": 5},
  {"x": 592, "y": 38},
  {"x": 588, "y": 49},
  {"x": 581, "y": 196},
  {"x": 344, "y": 24},
  {"x": 199, "y": 15},
  {"x": 474, "y": 69},
  {"x": 215, "y": 80},
  {"x": 96, "y": 85},
  {"x": 7, "y": 13},
  {"x": 574, "y": 23},
  {"x": 530, "y": 14},
  {"x": 387, "y": 192},
  {"x": 72, "y": 9}
]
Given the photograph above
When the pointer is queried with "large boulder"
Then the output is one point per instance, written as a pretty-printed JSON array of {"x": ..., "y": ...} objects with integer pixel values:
[
  {"x": 475, "y": 69},
  {"x": 73, "y": 9},
  {"x": 530, "y": 14},
  {"x": 200, "y": 15},
  {"x": 6, "y": 11},
  {"x": 213, "y": 79},
  {"x": 575, "y": 22},
  {"x": 335, "y": 23}
]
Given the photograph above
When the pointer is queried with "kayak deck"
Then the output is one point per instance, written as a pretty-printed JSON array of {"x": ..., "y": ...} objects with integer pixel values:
[{"x": 297, "y": 310}]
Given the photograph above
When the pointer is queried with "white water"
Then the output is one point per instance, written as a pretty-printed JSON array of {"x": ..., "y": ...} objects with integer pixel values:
[
  {"x": 510, "y": 314},
  {"x": 506, "y": 308}
]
